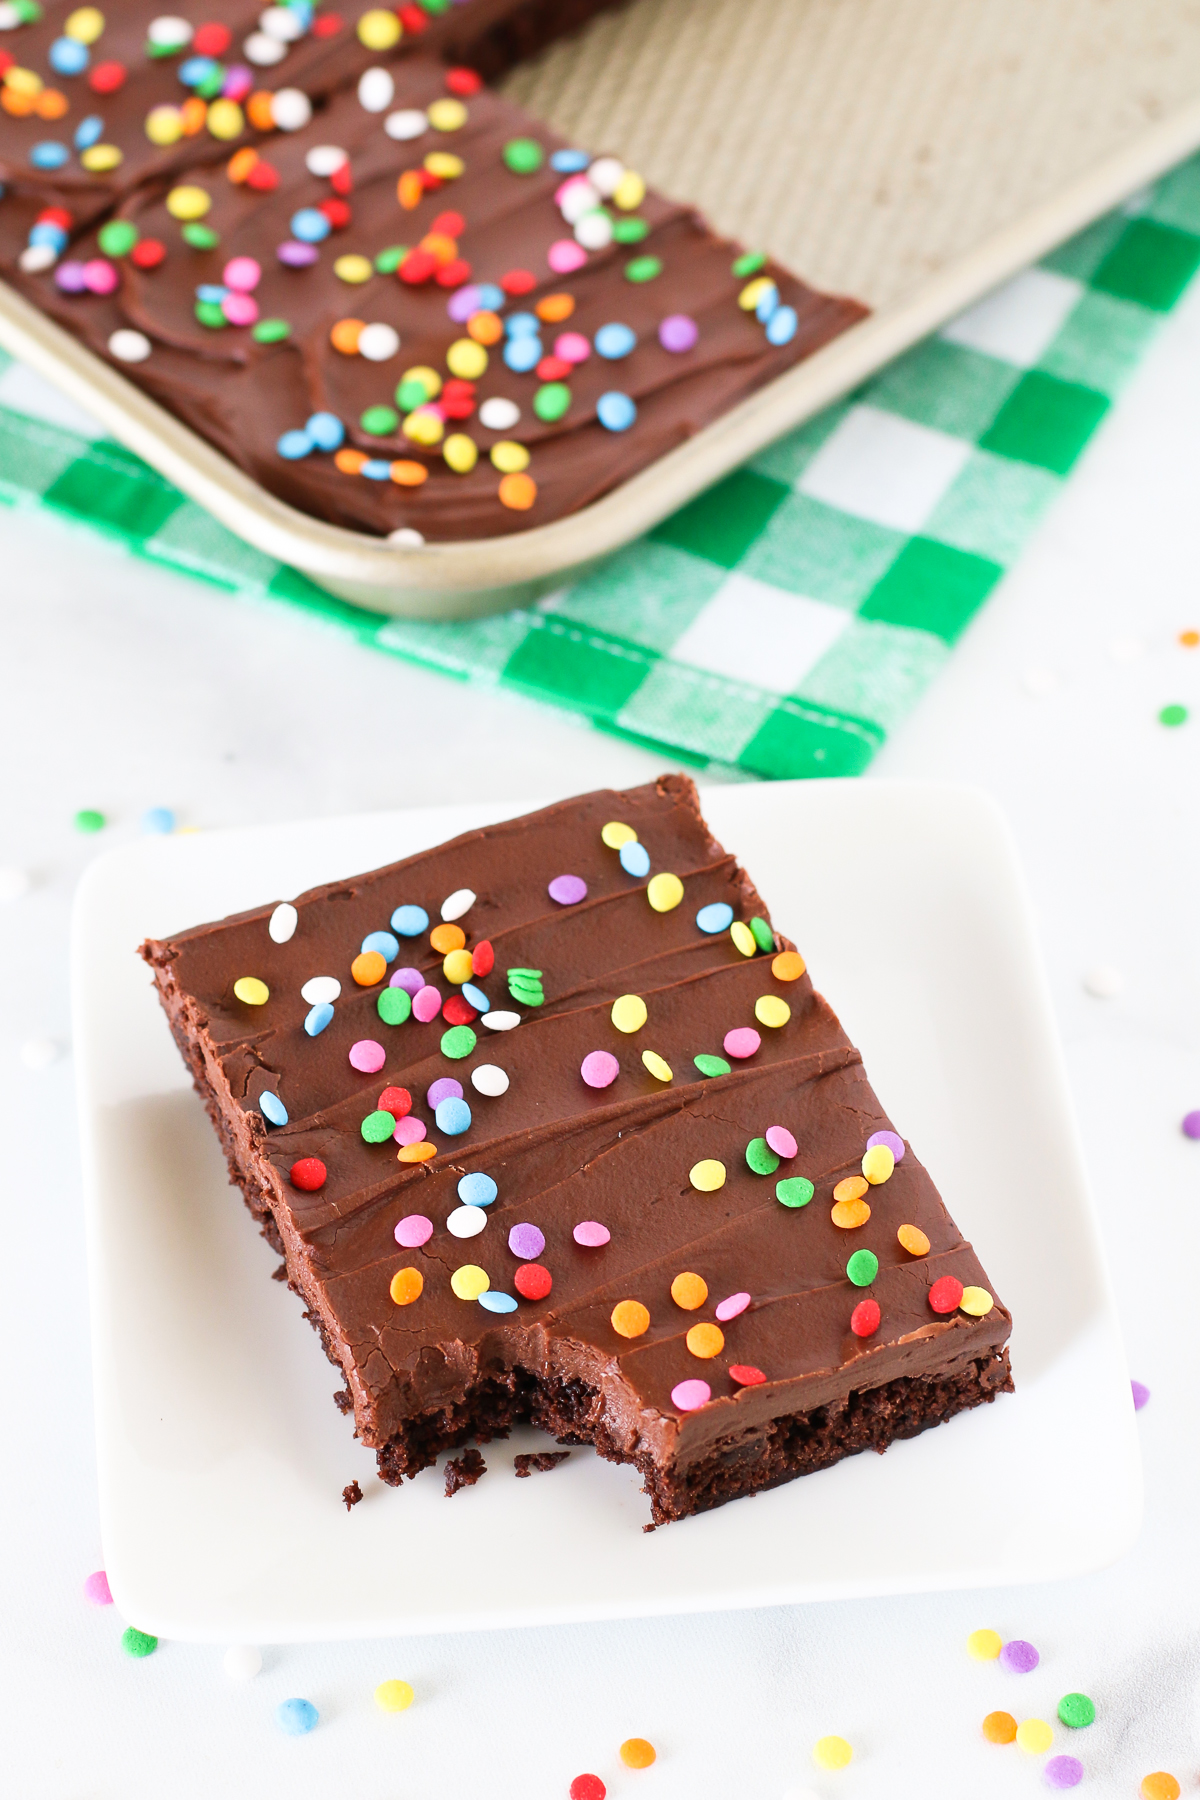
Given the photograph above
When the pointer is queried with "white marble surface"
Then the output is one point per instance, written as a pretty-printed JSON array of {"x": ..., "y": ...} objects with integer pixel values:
[{"x": 125, "y": 687}]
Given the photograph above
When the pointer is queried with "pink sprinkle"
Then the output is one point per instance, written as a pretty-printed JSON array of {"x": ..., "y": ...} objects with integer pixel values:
[
  {"x": 743, "y": 1042},
  {"x": 781, "y": 1141},
  {"x": 690, "y": 1396},
  {"x": 100, "y": 277},
  {"x": 237, "y": 83},
  {"x": 591, "y": 1235},
  {"x": 242, "y": 274},
  {"x": 568, "y": 187},
  {"x": 427, "y": 1005},
  {"x": 599, "y": 1069},
  {"x": 414, "y": 1231},
  {"x": 408, "y": 1131},
  {"x": 565, "y": 256},
  {"x": 96, "y": 1590},
  {"x": 240, "y": 309},
  {"x": 568, "y": 890},
  {"x": 890, "y": 1141},
  {"x": 729, "y": 1309},
  {"x": 367, "y": 1056},
  {"x": 411, "y": 980},
  {"x": 572, "y": 346}
]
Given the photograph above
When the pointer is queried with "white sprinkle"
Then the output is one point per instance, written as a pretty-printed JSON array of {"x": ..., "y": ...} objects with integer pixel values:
[
  {"x": 1104, "y": 982},
  {"x": 499, "y": 414},
  {"x": 282, "y": 23},
  {"x": 1040, "y": 681},
  {"x": 129, "y": 346},
  {"x": 405, "y": 125},
  {"x": 36, "y": 257},
  {"x": 324, "y": 160},
  {"x": 290, "y": 109},
  {"x": 262, "y": 50},
  {"x": 169, "y": 31},
  {"x": 466, "y": 1221},
  {"x": 10, "y": 17},
  {"x": 406, "y": 538},
  {"x": 500, "y": 1021},
  {"x": 605, "y": 175},
  {"x": 378, "y": 342},
  {"x": 242, "y": 1662},
  {"x": 376, "y": 90},
  {"x": 459, "y": 902},
  {"x": 594, "y": 231},
  {"x": 579, "y": 197},
  {"x": 39, "y": 1053},
  {"x": 489, "y": 1079},
  {"x": 283, "y": 922},
  {"x": 14, "y": 883},
  {"x": 321, "y": 990}
]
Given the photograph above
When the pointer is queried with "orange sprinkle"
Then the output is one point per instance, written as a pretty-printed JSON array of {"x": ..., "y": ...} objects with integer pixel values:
[
  {"x": 409, "y": 189},
  {"x": 258, "y": 110},
  {"x": 443, "y": 249},
  {"x": 630, "y": 1318},
  {"x": 241, "y": 163},
  {"x": 1159, "y": 1786},
  {"x": 1000, "y": 1728},
  {"x": 485, "y": 327},
  {"x": 445, "y": 938},
  {"x": 368, "y": 968},
  {"x": 637, "y": 1753},
  {"x": 852, "y": 1188},
  {"x": 345, "y": 334},
  {"x": 689, "y": 1291},
  {"x": 848, "y": 1215},
  {"x": 16, "y": 102},
  {"x": 416, "y": 1152},
  {"x": 406, "y": 1284},
  {"x": 50, "y": 104},
  {"x": 706, "y": 1340},
  {"x": 193, "y": 115},
  {"x": 350, "y": 461},
  {"x": 1189, "y": 639},
  {"x": 517, "y": 492},
  {"x": 408, "y": 474},
  {"x": 554, "y": 308},
  {"x": 913, "y": 1240},
  {"x": 788, "y": 966}
]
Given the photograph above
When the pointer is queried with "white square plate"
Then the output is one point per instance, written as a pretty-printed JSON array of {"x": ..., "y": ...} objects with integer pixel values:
[{"x": 222, "y": 1458}]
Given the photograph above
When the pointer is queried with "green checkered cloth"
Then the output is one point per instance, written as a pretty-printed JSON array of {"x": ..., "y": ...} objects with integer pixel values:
[{"x": 785, "y": 622}]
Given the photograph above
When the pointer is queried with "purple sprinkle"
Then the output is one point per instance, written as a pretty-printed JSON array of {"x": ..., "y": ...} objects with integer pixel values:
[
  {"x": 526, "y": 1241},
  {"x": 1063, "y": 1772},
  {"x": 296, "y": 255},
  {"x": 890, "y": 1142},
  {"x": 69, "y": 279},
  {"x": 591, "y": 1235},
  {"x": 411, "y": 980},
  {"x": 678, "y": 333},
  {"x": 462, "y": 304},
  {"x": 1191, "y": 1121},
  {"x": 1018, "y": 1657},
  {"x": 1141, "y": 1393},
  {"x": 568, "y": 890},
  {"x": 237, "y": 83},
  {"x": 444, "y": 1088}
]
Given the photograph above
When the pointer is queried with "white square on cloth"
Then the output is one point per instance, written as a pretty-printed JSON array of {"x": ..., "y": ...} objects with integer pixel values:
[
  {"x": 885, "y": 468},
  {"x": 750, "y": 631},
  {"x": 26, "y": 392},
  {"x": 1018, "y": 321}
]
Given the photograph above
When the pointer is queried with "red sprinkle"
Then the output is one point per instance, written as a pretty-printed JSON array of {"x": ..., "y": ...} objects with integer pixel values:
[
  {"x": 463, "y": 82},
  {"x": 430, "y": 181},
  {"x": 263, "y": 177},
  {"x": 455, "y": 406},
  {"x": 533, "y": 1282},
  {"x": 413, "y": 19},
  {"x": 309, "y": 1174},
  {"x": 341, "y": 181},
  {"x": 449, "y": 224},
  {"x": 397, "y": 1101},
  {"x": 587, "y": 1787},
  {"x": 7, "y": 60},
  {"x": 148, "y": 253},
  {"x": 336, "y": 211},
  {"x": 946, "y": 1295},
  {"x": 553, "y": 368},
  {"x": 483, "y": 958},
  {"x": 55, "y": 215},
  {"x": 326, "y": 25},
  {"x": 211, "y": 40},
  {"x": 458, "y": 1011},
  {"x": 518, "y": 281},
  {"x": 864, "y": 1320},
  {"x": 746, "y": 1375},
  {"x": 417, "y": 267},
  {"x": 453, "y": 274},
  {"x": 107, "y": 77}
]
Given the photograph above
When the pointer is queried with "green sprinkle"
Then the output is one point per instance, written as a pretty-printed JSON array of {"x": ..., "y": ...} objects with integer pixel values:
[
  {"x": 524, "y": 156},
  {"x": 211, "y": 84},
  {"x": 88, "y": 819},
  {"x": 795, "y": 1190},
  {"x": 200, "y": 237},
  {"x": 270, "y": 331},
  {"x": 138, "y": 1643},
  {"x": 749, "y": 264},
  {"x": 210, "y": 314},
  {"x": 538, "y": 973},
  {"x": 149, "y": 49},
  {"x": 760, "y": 1157},
  {"x": 411, "y": 394},
  {"x": 394, "y": 1005},
  {"x": 712, "y": 1065},
  {"x": 28, "y": 11},
  {"x": 643, "y": 268},
  {"x": 551, "y": 401},
  {"x": 435, "y": 7},
  {"x": 379, "y": 420},
  {"x": 525, "y": 985},
  {"x": 863, "y": 1267},
  {"x": 458, "y": 1042},
  {"x": 1076, "y": 1710},
  {"x": 389, "y": 260},
  {"x": 378, "y": 1127},
  {"x": 763, "y": 936},
  {"x": 630, "y": 231},
  {"x": 1173, "y": 715},
  {"x": 118, "y": 237}
]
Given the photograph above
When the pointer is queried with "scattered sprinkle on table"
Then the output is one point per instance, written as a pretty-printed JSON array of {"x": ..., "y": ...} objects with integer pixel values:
[
  {"x": 1191, "y": 1124},
  {"x": 242, "y": 1662},
  {"x": 138, "y": 1643},
  {"x": 587, "y": 1787},
  {"x": 1076, "y": 1710},
  {"x": 1159, "y": 1786},
  {"x": 831, "y": 1753},
  {"x": 984, "y": 1646},
  {"x": 158, "y": 819},
  {"x": 1000, "y": 1728},
  {"x": 295, "y": 1717},
  {"x": 1141, "y": 1393},
  {"x": 637, "y": 1753},
  {"x": 1173, "y": 715},
  {"x": 1019, "y": 1657},
  {"x": 1063, "y": 1772},
  {"x": 1103, "y": 982},
  {"x": 393, "y": 1696},
  {"x": 88, "y": 819},
  {"x": 96, "y": 1590},
  {"x": 1034, "y": 1736}
]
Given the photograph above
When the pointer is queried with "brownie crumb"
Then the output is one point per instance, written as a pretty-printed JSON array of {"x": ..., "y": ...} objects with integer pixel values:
[
  {"x": 342, "y": 1400},
  {"x": 544, "y": 1459},
  {"x": 279, "y": 1274},
  {"x": 464, "y": 1471},
  {"x": 352, "y": 1495}
]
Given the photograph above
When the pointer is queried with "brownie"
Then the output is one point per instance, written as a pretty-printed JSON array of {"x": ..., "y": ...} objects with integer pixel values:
[
  {"x": 378, "y": 287},
  {"x": 541, "y": 1460},
  {"x": 464, "y": 1471},
  {"x": 644, "y": 1196}
]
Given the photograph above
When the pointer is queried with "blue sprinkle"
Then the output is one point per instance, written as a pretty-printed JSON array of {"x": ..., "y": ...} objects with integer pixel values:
[
  {"x": 384, "y": 942},
  {"x": 498, "y": 1303},
  {"x": 309, "y": 225},
  {"x": 782, "y": 328},
  {"x": 49, "y": 155},
  {"x": 48, "y": 233},
  {"x": 272, "y": 1108},
  {"x": 212, "y": 293},
  {"x": 634, "y": 859},
  {"x": 195, "y": 69},
  {"x": 477, "y": 1189},
  {"x": 295, "y": 1717},
  {"x": 293, "y": 445},
  {"x": 475, "y": 997},
  {"x": 318, "y": 1018},
  {"x": 522, "y": 354},
  {"x": 615, "y": 341},
  {"x": 768, "y": 305},
  {"x": 89, "y": 131},
  {"x": 453, "y": 1117},
  {"x": 67, "y": 56},
  {"x": 159, "y": 819},
  {"x": 714, "y": 918},
  {"x": 570, "y": 162},
  {"x": 377, "y": 468},
  {"x": 615, "y": 411},
  {"x": 522, "y": 324},
  {"x": 489, "y": 298},
  {"x": 410, "y": 921},
  {"x": 326, "y": 431}
]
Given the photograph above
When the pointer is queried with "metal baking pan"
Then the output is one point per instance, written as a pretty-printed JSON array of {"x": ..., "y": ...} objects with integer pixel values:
[{"x": 913, "y": 153}]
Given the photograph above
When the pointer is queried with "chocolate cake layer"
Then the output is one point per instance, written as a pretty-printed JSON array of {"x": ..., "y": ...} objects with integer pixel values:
[{"x": 631, "y": 1264}]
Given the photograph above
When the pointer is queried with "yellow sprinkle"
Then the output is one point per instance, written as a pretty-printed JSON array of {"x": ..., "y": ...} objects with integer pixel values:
[
  {"x": 252, "y": 991},
  {"x": 705, "y": 1340},
  {"x": 445, "y": 166},
  {"x": 753, "y": 292},
  {"x": 461, "y": 452},
  {"x": 84, "y": 25},
  {"x": 509, "y": 458},
  {"x": 629, "y": 192},
  {"x": 913, "y": 1239},
  {"x": 877, "y": 1164},
  {"x": 769, "y": 1009},
  {"x": 707, "y": 1176},
  {"x": 664, "y": 892},
  {"x": 406, "y": 1286},
  {"x": 831, "y": 1753},
  {"x": 447, "y": 115},
  {"x": 457, "y": 967},
  {"x": 852, "y": 1188},
  {"x": 466, "y": 359},
  {"x": 984, "y": 1646},
  {"x": 637, "y": 1753},
  {"x": 689, "y": 1291},
  {"x": 188, "y": 202},
  {"x": 630, "y": 1319},
  {"x": 469, "y": 1281},
  {"x": 660, "y": 1070},
  {"x": 98, "y": 159},
  {"x": 423, "y": 426},
  {"x": 225, "y": 119},
  {"x": 976, "y": 1301},
  {"x": 379, "y": 29},
  {"x": 1035, "y": 1736},
  {"x": 788, "y": 965},
  {"x": 353, "y": 268},
  {"x": 429, "y": 378},
  {"x": 743, "y": 937},
  {"x": 614, "y": 834},
  {"x": 164, "y": 125},
  {"x": 23, "y": 81},
  {"x": 394, "y": 1696},
  {"x": 629, "y": 1012}
]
